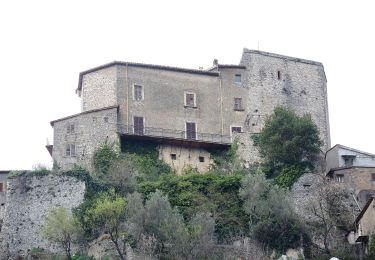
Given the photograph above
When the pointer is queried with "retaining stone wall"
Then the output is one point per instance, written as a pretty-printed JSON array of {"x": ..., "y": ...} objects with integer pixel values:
[{"x": 29, "y": 199}]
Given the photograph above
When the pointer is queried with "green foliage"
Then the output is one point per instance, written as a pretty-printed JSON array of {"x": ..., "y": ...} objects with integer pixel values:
[
  {"x": 256, "y": 139},
  {"x": 210, "y": 192},
  {"x": 272, "y": 220},
  {"x": 108, "y": 211},
  {"x": 289, "y": 175},
  {"x": 37, "y": 250},
  {"x": 80, "y": 256},
  {"x": 226, "y": 160},
  {"x": 107, "y": 214},
  {"x": 61, "y": 227},
  {"x": 160, "y": 230},
  {"x": 146, "y": 158},
  {"x": 371, "y": 248},
  {"x": 40, "y": 168},
  {"x": 290, "y": 144},
  {"x": 289, "y": 139},
  {"x": 121, "y": 175},
  {"x": 104, "y": 156}
]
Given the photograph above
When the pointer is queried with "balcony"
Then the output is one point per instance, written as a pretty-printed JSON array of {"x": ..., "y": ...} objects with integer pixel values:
[{"x": 175, "y": 137}]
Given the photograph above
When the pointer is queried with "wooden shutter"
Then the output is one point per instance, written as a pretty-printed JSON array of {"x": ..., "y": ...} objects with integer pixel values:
[
  {"x": 190, "y": 131},
  {"x": 138, "y": 125},
  {"x": 237, "y": 103},
  {"x": 137, "y": 92},
  {"x": 189, "y": 99}
]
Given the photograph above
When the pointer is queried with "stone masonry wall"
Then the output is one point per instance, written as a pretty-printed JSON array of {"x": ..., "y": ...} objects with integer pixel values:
[
  {"x": 29, "y": 199},
  {"x": 91, "y": 129},
  {"x": 275, "y": 80},
  {"x": 185, "y": 157},
  {"x": 99, "y": 89}
]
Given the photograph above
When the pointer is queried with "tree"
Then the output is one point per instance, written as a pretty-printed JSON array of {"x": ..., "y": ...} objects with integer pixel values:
[
  {"x": 61, "y": 227},
  {"x": 272, "y": 219},
  {"x": 121, "y": 174},
  {"x": 107, "y": 214},
  {"x": 331, "y": 212},
  {"x": 160, "y": 230},
  {"x": 288, "y": 141}
]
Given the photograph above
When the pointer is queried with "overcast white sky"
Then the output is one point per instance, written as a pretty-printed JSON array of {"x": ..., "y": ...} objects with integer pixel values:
[{"x": 45, "y": 44}]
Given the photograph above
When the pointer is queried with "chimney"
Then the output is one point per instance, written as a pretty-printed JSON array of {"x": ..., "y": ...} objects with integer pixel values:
[{"x": 215, "y": 63}]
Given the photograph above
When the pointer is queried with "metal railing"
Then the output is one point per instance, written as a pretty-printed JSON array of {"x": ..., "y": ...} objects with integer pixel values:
[{"x": 174, "y": 134}]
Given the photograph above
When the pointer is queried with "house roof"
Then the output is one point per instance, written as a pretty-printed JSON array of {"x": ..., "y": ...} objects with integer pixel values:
[
  {"x": 82, "y": 113},
  {"x": 363, "y": 211},
  {"x": 350, "y": 149},
  {"x": 143, "y": 65}
]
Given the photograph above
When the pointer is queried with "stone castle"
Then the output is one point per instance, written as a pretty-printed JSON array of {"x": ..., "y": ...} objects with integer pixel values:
[{"x": 187, "y": 112}]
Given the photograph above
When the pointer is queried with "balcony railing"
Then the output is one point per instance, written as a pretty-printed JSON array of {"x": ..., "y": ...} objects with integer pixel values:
[{"x": 174, "y": 134}]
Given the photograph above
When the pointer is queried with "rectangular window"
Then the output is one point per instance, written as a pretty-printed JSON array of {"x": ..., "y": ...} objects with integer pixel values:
[
  {"x": 278, "y": 74},
  {"x": 1, "y": 187},
  {"x": 173, "y": 156},
  {"x": 373, "y": 177},
  {"x": 190, "y": 99},
  {"x": 70, "y": 129},
  {"x": 340, "y": 178},
  {"x": 191, "y": 131},
  {"x": 138, "y": 93},
  {"x": 348, "y": 160},
  {"x": 138, "y": 125},
  {"x": 238, "y": 104},
  {"x": 201, "y": 159},
  {"x": 237, "y": 78},
  {"x": 70, "y": 150},
  {"x": 236, "y": 129}
]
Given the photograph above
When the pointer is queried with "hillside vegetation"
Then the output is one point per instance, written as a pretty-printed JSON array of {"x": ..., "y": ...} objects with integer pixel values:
[{"x": 139, "y": 201}]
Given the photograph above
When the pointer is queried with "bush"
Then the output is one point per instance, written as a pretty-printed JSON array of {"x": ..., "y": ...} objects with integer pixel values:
[{"x": 272, "y": 219}]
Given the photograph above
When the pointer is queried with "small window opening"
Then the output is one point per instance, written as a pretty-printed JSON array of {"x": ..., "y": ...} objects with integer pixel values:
[
  {"x": 278, "y": 74},
  {"x": 106, "y": 119},
  {"x": 306, "y": 185},
  {"x": 173, "y": 156},
  {"x": 190, "y": 100},
  {"x": 348, "y": 160},
  {"x": 237, "y": 78},
  {"x": 1, "y": 187},
  {"x": 138, "y": 95},
  {"x": 191, "y": 131},
  {"x": 201, "y": 159},
  {"x": 236, "y": 129},
  {"x": 340, "y": 178},
  {"x": 70, "y": 150},
  {"x": 256, "y": 110},
  {"x": 70, "y": 129},
  {"x": 94, "y": 119},
  {"x": 238, "y": 104},
  {"x": 373, "y": 177}
]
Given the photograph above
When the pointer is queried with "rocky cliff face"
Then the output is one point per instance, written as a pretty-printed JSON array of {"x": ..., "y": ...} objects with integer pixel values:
[{"x": 29, "y": 199}]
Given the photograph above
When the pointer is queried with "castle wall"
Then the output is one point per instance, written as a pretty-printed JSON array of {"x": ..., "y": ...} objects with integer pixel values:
[
  {"x": 230, "y": 91},
  {"x": 267, "y": 80},
  {"x": 3, "y": 181},
  {"x": 29, "y": 200},
  {"x": 185, "y": 157},
  {"x": 99, "y": 89},
  {"x": 91, "y": 129},
  {"x": 290, "y": 82},
  {"x": 163, "y": 106}
]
